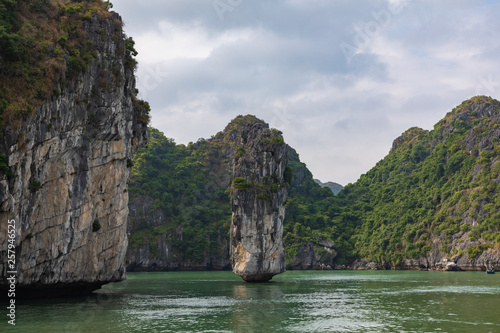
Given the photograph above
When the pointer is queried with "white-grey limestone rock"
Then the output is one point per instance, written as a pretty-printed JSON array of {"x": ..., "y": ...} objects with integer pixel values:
[
  {"x": 258, "y": 199},
  {"x": 71, "y": 165}
]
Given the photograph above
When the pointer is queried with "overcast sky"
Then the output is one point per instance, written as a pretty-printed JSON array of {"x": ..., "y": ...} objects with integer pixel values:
[{"x": 342, "y": 79}]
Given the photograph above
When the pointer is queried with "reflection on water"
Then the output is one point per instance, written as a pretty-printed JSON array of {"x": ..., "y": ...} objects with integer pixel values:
[
  {"x": 258, "y": 303},
  {"x": 306, "y": 301}
]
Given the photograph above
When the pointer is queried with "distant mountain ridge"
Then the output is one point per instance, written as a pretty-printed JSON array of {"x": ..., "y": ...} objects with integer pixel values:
[{"x": 335, "y": 187}]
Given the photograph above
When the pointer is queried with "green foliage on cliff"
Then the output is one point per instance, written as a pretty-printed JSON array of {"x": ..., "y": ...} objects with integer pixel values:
[
  {"x": 439, "y": 186},
  {"x": 313, "y": 214},
  {"x": 240, "y": 183},
  {"x": 4, "y": 165},
  {"x": 176, "y": 179},
  {"x": 34, "y": 185},
  {"x": 39, "y": 42},
  {"x": 42, "y": 45}
]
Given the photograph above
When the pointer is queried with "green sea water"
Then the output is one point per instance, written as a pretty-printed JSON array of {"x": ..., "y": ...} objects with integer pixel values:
[{"x": 296, "y": 301}]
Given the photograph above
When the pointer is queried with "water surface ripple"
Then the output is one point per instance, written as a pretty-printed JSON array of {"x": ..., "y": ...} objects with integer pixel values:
[{"x": 296, "y": 301}]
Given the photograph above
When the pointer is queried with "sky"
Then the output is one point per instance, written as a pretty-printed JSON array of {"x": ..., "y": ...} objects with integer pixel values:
[{"x": 341, "y": 79}]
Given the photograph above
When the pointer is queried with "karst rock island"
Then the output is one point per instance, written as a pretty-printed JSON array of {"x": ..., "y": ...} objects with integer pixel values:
[{"x": 258, "y": 195}]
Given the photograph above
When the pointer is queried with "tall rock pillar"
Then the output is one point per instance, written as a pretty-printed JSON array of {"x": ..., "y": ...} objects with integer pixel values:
[{"x": 258, "y": 195}]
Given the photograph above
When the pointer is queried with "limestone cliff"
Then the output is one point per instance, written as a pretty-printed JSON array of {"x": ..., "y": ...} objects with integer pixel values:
[
  {"x": 258, "y": 197},
  {"x": 69, "y": 163}
]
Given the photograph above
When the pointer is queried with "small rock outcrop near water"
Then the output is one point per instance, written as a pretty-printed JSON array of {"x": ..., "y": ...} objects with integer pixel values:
[
  {"x": 258, "y": 195},
  {"x": 68, "y": 169},
  {"x": 313, "y": 255}
]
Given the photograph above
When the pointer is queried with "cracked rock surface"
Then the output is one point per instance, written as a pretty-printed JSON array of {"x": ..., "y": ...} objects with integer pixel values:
[
  {"x": 258, "y": 199},
  {"x": 71, "y": 163}
]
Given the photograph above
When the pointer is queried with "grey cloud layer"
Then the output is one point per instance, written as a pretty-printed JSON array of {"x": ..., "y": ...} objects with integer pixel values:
[{"x": 283, "y": 61}]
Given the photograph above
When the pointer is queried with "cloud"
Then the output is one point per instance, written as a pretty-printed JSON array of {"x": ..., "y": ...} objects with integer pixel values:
[{"x": 407, "y": 64}]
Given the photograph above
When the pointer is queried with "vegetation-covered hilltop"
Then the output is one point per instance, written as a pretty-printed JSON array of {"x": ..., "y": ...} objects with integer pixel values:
[
  {"x": 436, "y": 192},
  {"x": 43, "y": 45},
  {"x": 175, "y": 194}
]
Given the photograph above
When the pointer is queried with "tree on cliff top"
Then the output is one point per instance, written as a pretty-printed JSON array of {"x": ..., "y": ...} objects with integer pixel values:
[{"x": 43, "y": 43}]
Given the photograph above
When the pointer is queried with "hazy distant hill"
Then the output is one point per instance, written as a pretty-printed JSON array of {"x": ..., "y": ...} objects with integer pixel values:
[{"x": 335, "y": 187}]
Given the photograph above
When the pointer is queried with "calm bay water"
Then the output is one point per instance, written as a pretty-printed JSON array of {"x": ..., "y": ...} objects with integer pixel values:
[{"x": 296, "y": 301}]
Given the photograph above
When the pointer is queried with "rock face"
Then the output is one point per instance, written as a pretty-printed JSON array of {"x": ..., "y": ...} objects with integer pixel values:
[
  {"x": 313, "y": 255},
  {"x": 258, "y": 196},
  {"x": 71, "y": 162},
  {"x": 407, "y": 136}
]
